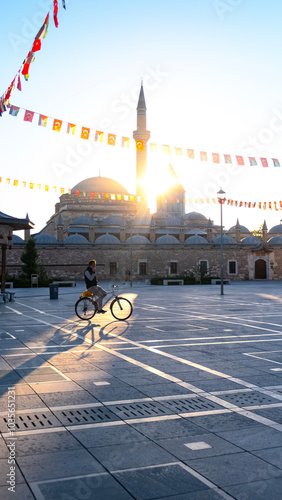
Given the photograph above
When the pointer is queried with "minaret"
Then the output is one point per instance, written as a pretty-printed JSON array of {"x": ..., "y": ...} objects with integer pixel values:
[{"x": 142, "y": 135}]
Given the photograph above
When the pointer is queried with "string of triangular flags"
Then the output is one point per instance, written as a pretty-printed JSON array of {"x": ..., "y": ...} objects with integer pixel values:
[
  {"x": 25, "y": 67},
  {"x": 47, "y": 188},
  {"x": 111, "y": 139}
]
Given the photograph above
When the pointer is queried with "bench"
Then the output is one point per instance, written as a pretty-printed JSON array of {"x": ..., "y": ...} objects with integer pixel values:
[
  {"x": 66, "y": 283},
  {"x": 218, "y": 281},
  {"x": 10, "y": 284},
  {"x": 178, "y": 282}
]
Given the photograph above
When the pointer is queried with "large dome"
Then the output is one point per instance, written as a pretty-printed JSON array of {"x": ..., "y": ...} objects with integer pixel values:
[{"x": 99, "y": 185}]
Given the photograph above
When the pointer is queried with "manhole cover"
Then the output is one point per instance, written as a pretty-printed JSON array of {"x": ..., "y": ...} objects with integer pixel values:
[
  {"x": 248, "y": 398},
  {"x": 29, "y": 421},
  {"x": 191, "y": 405},
  {"x": 85, "y": 416},
  {"x": 138, "y": 410}
]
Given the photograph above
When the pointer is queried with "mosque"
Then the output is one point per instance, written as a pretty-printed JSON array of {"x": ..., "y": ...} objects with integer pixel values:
[{"x": 100, "y": 219}]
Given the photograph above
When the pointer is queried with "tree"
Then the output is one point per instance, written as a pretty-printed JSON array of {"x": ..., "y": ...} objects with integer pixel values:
[
  {"x": 258, "y": 232},
  {"x": 29, "y": 258}
]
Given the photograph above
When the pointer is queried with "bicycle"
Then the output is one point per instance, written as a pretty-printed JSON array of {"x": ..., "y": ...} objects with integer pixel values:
[{"x": 120, "y": 307}]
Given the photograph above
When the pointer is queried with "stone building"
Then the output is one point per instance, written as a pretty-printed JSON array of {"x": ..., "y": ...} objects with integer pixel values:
[{"x": 100, "y": 219}]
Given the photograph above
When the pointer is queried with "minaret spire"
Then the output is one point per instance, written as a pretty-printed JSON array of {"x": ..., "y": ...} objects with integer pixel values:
[{"x": 141, "y": 136}]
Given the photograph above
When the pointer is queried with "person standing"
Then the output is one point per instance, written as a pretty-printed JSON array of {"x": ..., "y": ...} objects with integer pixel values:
[{"x": 92, "y": 284}]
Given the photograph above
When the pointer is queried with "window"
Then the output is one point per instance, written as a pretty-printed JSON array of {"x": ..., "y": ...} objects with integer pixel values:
[
  {"x": 232, "y": 267},
  {"x": 203, "y": 267},
  {"x": 173, "y": 268},
  {"x": 113, "y": 268},
  {"x": 143, "y": 268}
]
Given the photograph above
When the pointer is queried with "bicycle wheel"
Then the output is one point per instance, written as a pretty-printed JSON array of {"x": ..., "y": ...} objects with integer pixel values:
[
  {"x": 121, "y": 308},
  {"x": 85, "y": 308}
]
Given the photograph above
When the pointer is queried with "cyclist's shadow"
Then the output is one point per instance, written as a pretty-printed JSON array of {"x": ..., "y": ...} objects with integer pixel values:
[{"x": 95, "y": 333}]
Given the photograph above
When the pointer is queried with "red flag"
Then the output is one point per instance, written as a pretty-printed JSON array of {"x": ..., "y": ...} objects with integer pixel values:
[
  {"x": 215, "y": 157},
  {"x": 55, "y": 13},
  {"x": 57, "y": 125},
  {"x": 77, "y": 192},
  {"x": 36, "y": 45},
  {"x": 240, "y": 160},
  {"x": 264, "y": 162},
  {"x": 28, "y": 116}
]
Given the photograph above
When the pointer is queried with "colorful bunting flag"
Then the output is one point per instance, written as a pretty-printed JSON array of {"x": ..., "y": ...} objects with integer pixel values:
[
  {"x": 191, "y": 154},
  {"x": 264, "y": 162},
  {"x": 166, "y": 149},
  {"x": 42, "y": 120},
  {"x": 153, "y": 147},
  {"x": 240, "y": 160},
  {"x": 203, "y": 156},
  {"x": 215, "y": 157},
  {"x": 227, "y": 159},
  {"x": 36, "y": 45},
  {"x": 178, "y": 151},
  {"x": 253, "y": 161},
  {"x": 111, "y": 139},
  {"x": 14, "y": 111},
  {"x": 28, "y": 116},
  {"x": 43, "y": 30},
  {"x": 57, "y": 124},
  {"x": 71, "y": 128},
  {"x": 139, "y": 145},
  {"x": 55, "y": 13},
  {"x": 125, "y": 141},
  {"x": 276, "y": 162},
  {"x": 85, "y": 133},
  {"x": 99, "y": 136},
  {"x": 19, "y": 85}
]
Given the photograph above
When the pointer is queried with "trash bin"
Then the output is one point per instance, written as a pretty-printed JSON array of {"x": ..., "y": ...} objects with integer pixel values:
[{"x": 53, "y": 291}]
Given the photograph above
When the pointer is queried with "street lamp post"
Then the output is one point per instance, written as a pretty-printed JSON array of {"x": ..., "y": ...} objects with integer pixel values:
[
  {"x": 221, "y": 200},
  {"x": 130, "y": 218}
]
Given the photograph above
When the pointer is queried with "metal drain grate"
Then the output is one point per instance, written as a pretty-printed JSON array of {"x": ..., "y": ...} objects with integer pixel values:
[
  {"x": 138, "y": 410},
  {"x": 30, "y": 421},
  {"x": 191, "y": 404},
  {"x": 248, "y": 398},
  {"x": 85, "y": 416}
]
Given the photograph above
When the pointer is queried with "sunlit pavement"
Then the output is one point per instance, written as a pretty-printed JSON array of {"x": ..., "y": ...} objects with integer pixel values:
[{"x": 182, "y": 401}]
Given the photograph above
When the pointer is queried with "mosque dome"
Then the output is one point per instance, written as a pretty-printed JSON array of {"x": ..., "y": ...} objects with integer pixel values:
[
  {"x": 113, "y": 220},
  {"x": 17, "y": 239},
  {"x": 196, "y": 240},
  {"x": 251, "y": 241},
  {"x": 76, "y": 239},
  {"x": 226, "y": 240},
  {"x": 243, "y": 229},
  {"x": 138, "y": 240},
  {"x": 167, "y": 239},
  {"x": 84, "y": 220},
  {"x": 45, "y": 239},
  {"x": 99, "y": 185},
  {"x": 195, "y": 217},
  {"x": 275, "y": 240},
  {"x": 276, "y": 229},
  {"x": 107, "y": 239}
]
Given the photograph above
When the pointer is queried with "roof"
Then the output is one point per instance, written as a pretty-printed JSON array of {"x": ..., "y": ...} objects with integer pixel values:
[
  {"x": 243, "y": 229},
  {"x": 276, "y": 229},
  {"x": 45, "y": 239},
  {"x": 100, "y": 185},
  {"x": 196, "y": 240},
  {"x": 15, "y": 223},
  {"x": 195, "y": 216},
  {"x": 167, "y": 239},
  {"x": 251, "y": 240},
  {"x": 113, "y": 220},
  {"x": 275, "y": 240},
  {"x": 83, "y": 220},
  {"x": 17, "y": 239}
]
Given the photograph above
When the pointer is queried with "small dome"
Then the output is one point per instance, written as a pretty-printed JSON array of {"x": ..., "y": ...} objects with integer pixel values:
[
  {"x": 195, "y": 216},
  {"x": 275, "y": 240},
  {"x": 251, "y": 240},
  {"x": 195, "y": 232},
  {"x": 107, "y": 239},
  {"x": 83, "y": 220},
  {"x": 243, "y": 229},
  {"x": 138, "y": 240},
  {"x": 196, "y": 240},
  {"x": 227, "y": 240},
  {"x": 45, "y": 239},
  {"x": 167, "y": 239},
  {"x": 113, "y": 220},
  {"x": 142, "y": 221},
  {"x": 173, "y": 221},
  {"x": 99, "y": 185},
  {"x": 17, "y": 239},
  {"x": 276, "y": 229},
  {"x": 76, "y": 239}
]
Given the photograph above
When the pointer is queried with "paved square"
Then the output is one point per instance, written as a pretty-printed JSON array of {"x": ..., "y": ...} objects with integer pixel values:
[{"x": 181, "y": 402}]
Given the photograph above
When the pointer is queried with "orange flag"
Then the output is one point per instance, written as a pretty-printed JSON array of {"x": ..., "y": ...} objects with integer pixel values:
[
  {"x": 57, "y": 124},
  {"x": 85, "y": 133}
]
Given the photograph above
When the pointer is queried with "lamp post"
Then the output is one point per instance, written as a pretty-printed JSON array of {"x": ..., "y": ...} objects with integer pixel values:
[
  {"x": 221, "y": 200},
  {"x": 130, "y": 218}
]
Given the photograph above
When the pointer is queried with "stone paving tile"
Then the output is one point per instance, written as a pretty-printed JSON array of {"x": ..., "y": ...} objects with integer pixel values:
[
  {"x": 55, "y": 387},
  {"x": 105, "y": 436},
  {"x": 51, "y": 442},
  {"x": 158, "y": 482},
  {"x": 271, "y": 455},
  {"x": 131, "y": 455},
  {"x": 69, "y": 398},
  {"x": 22, "y": 492},
  {"x": 258, "y": 438},
  {"x": 101, "y": 487},
  {"x": 196, "y": 495},
  {"x": 227, "y": 470},
  {"x": 4, "y": 452},
  {"x": 224, "y": 422},
  {"x": 26, "y": 401},
  {"x": 269, "y": 489},
  {"x": 178, "y": 427},
  {"x": 61, "y": 464},
  {"x": 165, "y": 389},
  {"x": 274, "y": 414},
  {"x": 5, "y": 469}
]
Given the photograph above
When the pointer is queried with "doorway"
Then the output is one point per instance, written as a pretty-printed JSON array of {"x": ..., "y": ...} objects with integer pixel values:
[{"x": 260, "y": 269}]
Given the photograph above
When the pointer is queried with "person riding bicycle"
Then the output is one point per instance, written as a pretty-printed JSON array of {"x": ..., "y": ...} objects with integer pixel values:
[{"x": 92, "y": 284}]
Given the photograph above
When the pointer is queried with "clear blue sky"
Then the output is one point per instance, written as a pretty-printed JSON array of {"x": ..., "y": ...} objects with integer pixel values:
[{"x": 212, "y": 79}]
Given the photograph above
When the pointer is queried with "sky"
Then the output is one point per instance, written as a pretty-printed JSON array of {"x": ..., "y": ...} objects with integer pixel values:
[{"x": 212, "y": 76}]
